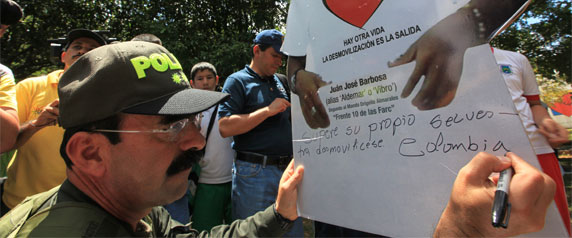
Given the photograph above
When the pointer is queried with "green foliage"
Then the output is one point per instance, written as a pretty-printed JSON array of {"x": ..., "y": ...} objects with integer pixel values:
[
  {"x": 5, "y": 161},
  {"x": 552, "y": 90},
  {"x": 221, "y": 31},
  {"x": 543, "y": 34},
  {"x": 218, "y": 31}
]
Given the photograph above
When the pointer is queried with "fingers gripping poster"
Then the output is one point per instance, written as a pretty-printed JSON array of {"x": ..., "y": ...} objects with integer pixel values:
[{"x": 403, "y": 102}]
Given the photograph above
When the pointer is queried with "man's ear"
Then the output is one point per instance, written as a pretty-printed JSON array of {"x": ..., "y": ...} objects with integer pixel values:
[
  {"x": 216, "y": 80},
  {"x": 255, "y": 49},
  {"x": 88, "y": 153},
  {"x": 62, "y": 56}
]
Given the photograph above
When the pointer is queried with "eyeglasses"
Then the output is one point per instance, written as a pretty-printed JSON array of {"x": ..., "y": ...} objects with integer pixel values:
[{"x": 173, "y": 131}]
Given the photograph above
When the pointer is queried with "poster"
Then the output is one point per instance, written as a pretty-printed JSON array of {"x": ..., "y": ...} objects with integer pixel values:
[{"x": 382, "y": 165}]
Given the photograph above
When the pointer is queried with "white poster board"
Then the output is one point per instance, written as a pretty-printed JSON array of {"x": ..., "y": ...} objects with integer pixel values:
[{"x": 383, "y": 166}]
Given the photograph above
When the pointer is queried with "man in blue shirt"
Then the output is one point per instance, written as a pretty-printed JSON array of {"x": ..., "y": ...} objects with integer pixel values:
[{"x": 258, "y": 117}]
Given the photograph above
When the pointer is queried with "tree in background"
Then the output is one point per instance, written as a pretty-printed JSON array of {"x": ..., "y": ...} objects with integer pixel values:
[
  {"x": 218, "y": 31},
  {"x": 552, "y": 90},
  {"x": 543, "y": 34},
  {"x": 221, "y": 31}
]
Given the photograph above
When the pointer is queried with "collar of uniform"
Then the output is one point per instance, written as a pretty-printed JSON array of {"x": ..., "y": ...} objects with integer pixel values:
[
  {"x": 54, "y": 77},
  {"x": 254, "y": 74},
  {"x": 70, "y": 193},
  {"x": 143, "y": 229}
]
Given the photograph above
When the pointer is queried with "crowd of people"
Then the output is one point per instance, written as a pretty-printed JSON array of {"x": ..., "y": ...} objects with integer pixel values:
[{"x": 105, "y": 147}]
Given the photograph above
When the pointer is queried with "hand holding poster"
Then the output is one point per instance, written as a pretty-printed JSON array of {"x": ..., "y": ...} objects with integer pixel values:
[{"x": 385, "y": 161}]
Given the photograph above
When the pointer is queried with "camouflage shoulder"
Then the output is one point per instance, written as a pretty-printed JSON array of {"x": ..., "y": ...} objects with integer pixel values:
[
  {"x": 73, "y": 219},
  {"x": 12, "y": 222}
]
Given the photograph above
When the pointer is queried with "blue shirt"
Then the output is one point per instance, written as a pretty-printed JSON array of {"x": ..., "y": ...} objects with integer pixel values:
[{"x": 248, "y": 93}]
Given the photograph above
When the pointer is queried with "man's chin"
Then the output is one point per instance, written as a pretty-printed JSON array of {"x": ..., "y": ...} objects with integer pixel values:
[{"x": 178, "y": 192}]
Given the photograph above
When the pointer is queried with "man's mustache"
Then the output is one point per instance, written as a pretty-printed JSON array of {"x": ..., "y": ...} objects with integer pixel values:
[{"x": 184, "y": 161}]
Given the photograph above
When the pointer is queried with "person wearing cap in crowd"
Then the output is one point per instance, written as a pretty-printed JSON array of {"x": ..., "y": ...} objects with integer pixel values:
[
  {"x": 257, "y": 116},
  {"x": 38, "y": 166},
  {"x": 179, "y": 209},
  {"x": 148, "y": 38},
  {"x": 212, "y": 200},
  {"x": 131, "y": 151},
  {"x": 10, "y": 14}
]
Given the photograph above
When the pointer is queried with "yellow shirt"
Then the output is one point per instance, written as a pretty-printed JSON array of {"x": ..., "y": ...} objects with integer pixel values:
[
  {"x": 7, "y": 88},
  {"x": 37, "y": 165}
]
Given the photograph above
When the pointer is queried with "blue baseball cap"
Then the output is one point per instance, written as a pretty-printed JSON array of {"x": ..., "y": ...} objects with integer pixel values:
[{"x": 270, "y": 37}]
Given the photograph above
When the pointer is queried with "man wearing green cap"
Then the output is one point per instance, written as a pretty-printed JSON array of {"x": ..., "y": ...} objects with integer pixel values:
[
  {"x": 37, "y": 166},
  {"x": 131, "y": 151}
]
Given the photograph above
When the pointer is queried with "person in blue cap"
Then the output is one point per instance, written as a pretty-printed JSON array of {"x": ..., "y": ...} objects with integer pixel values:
[{"x": 257, "y": 115}]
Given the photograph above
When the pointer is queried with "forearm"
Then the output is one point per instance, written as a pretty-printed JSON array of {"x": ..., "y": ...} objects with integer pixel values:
[
  {"x": 9, "y": 127},
  {"x": 539, "y": 113},
  {"x": 447, "y": 227},
  {"x": 295, "y": 63},
  {"x": 27, "y": 130},
  {"x": 241, "y": 123},
  {"x": 469, "y": 26},
  {"x": 487, "y": 16},
  {"x": 262, "y": 224},
  {"x": 555, "y": 133}
]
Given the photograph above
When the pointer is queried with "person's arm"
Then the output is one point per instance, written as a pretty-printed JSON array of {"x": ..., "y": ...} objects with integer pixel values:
[
  {"x": 10, "y": 127},
  {"x": 555, "y": 133},
  {"x": 439, "y": 51},
  {"x": 48, "y": 117},
  {"x": 267, "y": 223},
  {"x": 468, "y": 212},
  {"x": 288, "y": 191},
  {"x": 306, "y": 85},
  {"x": 238, "y": 124},
  {"x": 9, "y": 121},
  {"x": 493, "y": 14},
  {"x": 272, "y": 222}
]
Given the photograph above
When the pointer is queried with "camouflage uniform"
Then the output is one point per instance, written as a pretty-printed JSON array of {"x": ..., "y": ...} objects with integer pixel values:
[{"x": 65, "y": 211}]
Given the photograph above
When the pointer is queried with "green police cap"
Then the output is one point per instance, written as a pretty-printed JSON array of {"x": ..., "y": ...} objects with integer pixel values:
[{"x": 131, "y": 77}]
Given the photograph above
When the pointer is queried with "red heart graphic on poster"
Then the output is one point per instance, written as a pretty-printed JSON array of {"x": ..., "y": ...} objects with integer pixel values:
[{"x": 354, "y": 12}]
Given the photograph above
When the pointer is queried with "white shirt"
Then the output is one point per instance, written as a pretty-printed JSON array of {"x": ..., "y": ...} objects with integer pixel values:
[
  {"x": 521, "y": 82},
  {"x": 216, "y": 165}
]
